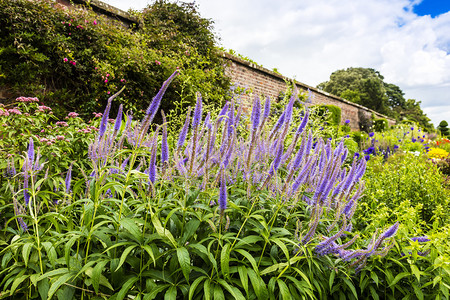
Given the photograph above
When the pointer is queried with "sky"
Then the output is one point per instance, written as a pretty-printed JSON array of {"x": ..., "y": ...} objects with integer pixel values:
[{"x": 407, "y": 41}]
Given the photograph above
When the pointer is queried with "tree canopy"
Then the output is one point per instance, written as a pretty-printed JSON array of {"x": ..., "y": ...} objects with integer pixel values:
[{"x": 366, "y": 87}]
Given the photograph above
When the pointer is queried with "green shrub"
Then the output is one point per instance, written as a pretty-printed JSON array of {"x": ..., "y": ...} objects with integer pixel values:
[
  {"x": 74, "y": 59},
  {"x": 405, "y": 177},
  {"x": 331, "y": 113},
  {"x": 380, "y": 125},
  {"x": 443, "y": 128}
]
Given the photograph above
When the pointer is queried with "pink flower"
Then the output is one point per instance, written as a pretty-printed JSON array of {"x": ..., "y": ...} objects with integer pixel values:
[
  {"x": 106, "y": 80},
  {"x": 122, "y": 80},
  {"x": 62, "y": 124},
  {"x": 108, "y": 92},
  {"x": 65, "y": 59},
  {"x": 43, "y": 130},
  {"x": 73, "y": 63},
  {"x": 95, "y": 22},
  {"x": 107, "y": 75},
  {"x": 157, "y": 62},
  {"x": 73, "y": 115},
  {"x": 60, "y": 137}
]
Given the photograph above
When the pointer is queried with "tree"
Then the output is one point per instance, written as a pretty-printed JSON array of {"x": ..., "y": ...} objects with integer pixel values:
[
  {"x": 413, "y": 112},
  {"x": 443, "y": 128},
  {"x": 364, "y": 86}
]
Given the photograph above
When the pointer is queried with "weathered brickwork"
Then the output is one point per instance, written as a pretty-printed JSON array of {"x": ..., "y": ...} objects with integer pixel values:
[{"x": 268, "y": 83}]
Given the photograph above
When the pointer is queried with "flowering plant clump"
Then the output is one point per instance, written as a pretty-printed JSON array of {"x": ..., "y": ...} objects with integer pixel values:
[
  {"x": 437, "y": 153},
  {"x": 203, "y": 210}
]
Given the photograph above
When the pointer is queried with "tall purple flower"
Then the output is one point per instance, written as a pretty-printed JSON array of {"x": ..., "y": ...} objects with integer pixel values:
[
  {"x": 197, "y": 112},
  {"x": 266, "y": 108},
  {"x": 68, "y": 179},
  {"x": 156, "y": 101},
  {"x": 152, "y": 166},
  {"x": 118, "y": 119},
  {"x": 222, "y": 192},
  {"x": 164, "y": 144},
  {"x": 31, "y": 153},
  {"x": 256, "y": 113},
  {"x": 104, "y": 121},
  {"x": 303, "y": 123},
  {"x": 184, "y": 130},
  {"x": 26, "y": 195}
]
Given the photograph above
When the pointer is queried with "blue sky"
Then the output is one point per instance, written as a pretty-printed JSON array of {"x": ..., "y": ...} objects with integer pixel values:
[
  {"x": 432, "y": 7},
  {"x": 407, "y": 41}
]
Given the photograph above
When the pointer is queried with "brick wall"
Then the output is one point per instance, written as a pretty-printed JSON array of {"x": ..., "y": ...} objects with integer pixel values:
[{"x": 268, "y": 83}]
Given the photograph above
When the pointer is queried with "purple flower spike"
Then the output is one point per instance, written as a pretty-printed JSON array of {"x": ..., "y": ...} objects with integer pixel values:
[
  {"x": 197, "y": 112},
  {"x": 105, "y": 116},
  {"x": 391, "y": 231},
  {"x": 277, "y": 160},
  {"x": 31, "y": 152},
  {"x": 256, "y": 113},
  {"x": 266, "y": 108},
  {"x": 68, "y": 179},
  {"x": 152, "y": 167},
  {"x": 222, "y": 192},
  {"x": 420, "y": 239},
  {"x": 223, "y": 112},
  {"x": 184, "y": 130},
  {"x": 303, "y": 123},
  {"x": 154, "y": 105},
  {"x": 26, "y": 195},
  {"x": 118, "y": 119},
  {"x": 164, "y": 144}
]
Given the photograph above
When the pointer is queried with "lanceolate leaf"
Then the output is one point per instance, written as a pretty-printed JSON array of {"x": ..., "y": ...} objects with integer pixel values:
[{"x": 184, "y": 261}]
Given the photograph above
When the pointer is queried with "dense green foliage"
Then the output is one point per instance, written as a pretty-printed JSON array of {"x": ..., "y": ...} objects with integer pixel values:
[
  {"x": 75, "y": 59},
  {"x": 330, "y": 113},
  {"x": 366, "y": 87},
  {"x": 380, "y": 125},
  {"x": 115, "y": 234},
  {"x": 443, "y": 128}
]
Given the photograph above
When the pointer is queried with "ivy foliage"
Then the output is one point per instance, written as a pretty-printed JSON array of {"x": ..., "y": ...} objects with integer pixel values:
[{"x": 74, "y": 59}]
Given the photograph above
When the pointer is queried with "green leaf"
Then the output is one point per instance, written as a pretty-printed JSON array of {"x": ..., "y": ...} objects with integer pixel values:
[
  {"x": 244, "y": 278},
  {"x": 351, "y": 286},
  {"x": 258, "y": 284},
  {"x": 232, "y": 290},
  {"x": 124, "y": 255},
  {"x": 162, "y": 232},
  {"x": 96, "y": 273},
  {"x": 51, "y": 252},
  {"x": 374, "y": 276},
  {"x": 171, "y": 293},
  {"x": 282, "y": 247},
  {"x": 194, "y": 285},
  {"x": 303, "y": 275},
  {"x": 43, "y": 287},
  {"x": 225, "y": 261},
  {"x": 189, "y": 230},
  {"x": 132, "y": 228},
  {"x": 398, "y": 278},
  {"x": 126, "y": 287},
  {"x": 436, "y": 280},
  {"x": 184, "y": 261},
  {"x": 19, "y": 279},
  {"x": 284, "y": 290},
  {"x": 60, "y": 281},
  {"x": 416, "y": 272},
  {"x": 331, "y": 280},
  {"x": 207, "y": 290},
  {"x": 156, "y": 291},
  {"x": 148, "y": 249},
  {"x": 249, "y": 257},
  {"x": 373, "y": 293},
  {"x": 218, "y": 293},
  {"x": 26, "y": 250}
]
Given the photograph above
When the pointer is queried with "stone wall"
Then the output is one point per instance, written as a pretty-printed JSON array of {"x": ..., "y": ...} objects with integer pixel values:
[{"x": 268, "y": 83}]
